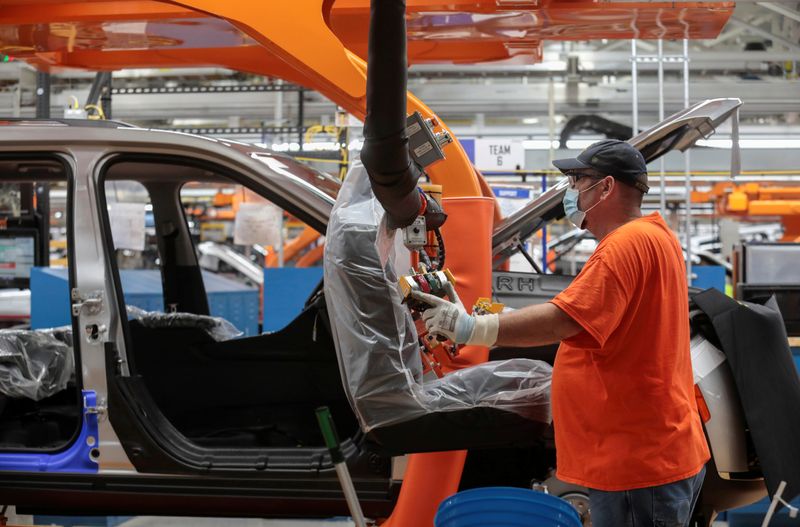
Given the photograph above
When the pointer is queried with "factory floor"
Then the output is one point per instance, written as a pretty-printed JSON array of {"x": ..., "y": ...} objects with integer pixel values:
[
  {"x": 159, "y": 521},
  {"x": 15, "y": 520}
]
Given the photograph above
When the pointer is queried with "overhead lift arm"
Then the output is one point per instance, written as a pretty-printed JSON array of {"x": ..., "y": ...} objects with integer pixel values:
[{"x": 386, "y": 155}]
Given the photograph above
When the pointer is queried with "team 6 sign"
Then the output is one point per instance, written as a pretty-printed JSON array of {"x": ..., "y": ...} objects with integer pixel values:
[{"x": 499, "y": 154}]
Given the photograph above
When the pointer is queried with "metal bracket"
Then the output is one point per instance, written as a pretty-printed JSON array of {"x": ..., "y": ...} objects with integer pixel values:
[
  {"x": 93, "y": 302},
  {"x": 99, "y": 408},
  {"x": 511, "y": 242}
]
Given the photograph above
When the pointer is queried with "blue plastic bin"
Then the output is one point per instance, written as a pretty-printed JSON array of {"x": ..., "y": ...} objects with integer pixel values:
[
  {"x": 506, "y": 506},
  {"x": 286, "y": 290}
]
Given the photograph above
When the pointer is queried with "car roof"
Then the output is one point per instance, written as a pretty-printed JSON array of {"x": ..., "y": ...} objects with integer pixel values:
[
  {"x": 91, "y": 123},
  {"x": 307, "y": 188}
]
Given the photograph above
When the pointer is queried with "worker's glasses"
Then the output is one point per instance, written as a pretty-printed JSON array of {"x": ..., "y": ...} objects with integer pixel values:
[{"x": 573, "y": 177}]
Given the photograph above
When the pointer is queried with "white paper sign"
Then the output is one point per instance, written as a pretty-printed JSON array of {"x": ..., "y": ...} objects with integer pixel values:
[
  {"x": 499, "y": 154},
  {"x": 258, "y": 223},
  {"x": 127, "y": 225}
]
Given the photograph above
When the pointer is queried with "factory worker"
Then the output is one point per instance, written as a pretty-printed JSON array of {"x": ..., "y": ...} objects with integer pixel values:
[{"x": 624, "y": 410}]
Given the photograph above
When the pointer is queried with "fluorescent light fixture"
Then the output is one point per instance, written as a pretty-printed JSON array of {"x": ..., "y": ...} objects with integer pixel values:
[
  {"x": 580, "y": 144},
  {"x": 539, "y": 144},
  {"x": 320, "y": 146},
  {"x": 530, "y": 120},
  {"x": 760, "y": 143},
  {"x": 716, "y": 143}
]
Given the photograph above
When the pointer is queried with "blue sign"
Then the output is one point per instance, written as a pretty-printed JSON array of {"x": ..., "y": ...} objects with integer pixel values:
[
  {"x": 512, "y": 192},
  {"x": 469, "y": 147}
]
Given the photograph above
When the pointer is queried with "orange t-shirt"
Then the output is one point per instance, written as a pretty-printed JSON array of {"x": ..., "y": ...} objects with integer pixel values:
[{"x": 623, "y": 397}]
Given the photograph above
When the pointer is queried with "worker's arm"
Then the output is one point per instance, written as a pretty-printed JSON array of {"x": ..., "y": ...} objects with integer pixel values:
[
  {"x": 532, "y": 326},
  {"x": 536, "y": 325}
]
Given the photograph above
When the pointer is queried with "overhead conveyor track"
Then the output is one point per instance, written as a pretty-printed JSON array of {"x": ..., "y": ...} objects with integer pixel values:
[{"x": 237, "y": 88}]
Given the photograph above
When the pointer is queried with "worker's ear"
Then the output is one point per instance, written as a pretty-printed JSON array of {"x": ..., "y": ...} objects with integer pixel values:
[{"x": 608, "y": 187}]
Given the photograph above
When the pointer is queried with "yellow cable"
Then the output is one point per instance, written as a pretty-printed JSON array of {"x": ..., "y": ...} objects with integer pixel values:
[{"x": 97, "y": 108}]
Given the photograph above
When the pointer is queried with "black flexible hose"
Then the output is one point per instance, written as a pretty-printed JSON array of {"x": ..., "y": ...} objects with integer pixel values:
[
  {"x": 385, "y": 154},
  {"x": 440, "y": 241}
]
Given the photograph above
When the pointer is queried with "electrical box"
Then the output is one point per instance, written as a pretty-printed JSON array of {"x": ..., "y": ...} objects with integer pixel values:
[
  {"x": 762, "y": 270},
  {"x": 425, "y": 145}
]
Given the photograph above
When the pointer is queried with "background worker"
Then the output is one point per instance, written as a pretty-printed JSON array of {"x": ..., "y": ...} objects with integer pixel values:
[{"x": 624, "y": 411}]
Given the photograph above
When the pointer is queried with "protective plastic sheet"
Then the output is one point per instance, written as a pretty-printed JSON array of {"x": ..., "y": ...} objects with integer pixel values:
[
  {"x": 35, "y": 364},
  {"x": 377, "y": 343},
  {"x": 218, "y": 328}
]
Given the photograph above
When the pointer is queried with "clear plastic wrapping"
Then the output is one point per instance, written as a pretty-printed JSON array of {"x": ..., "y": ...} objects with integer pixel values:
[
  {"x": 218, "y": 328},
  {"x": 377, "y": 343},
  {"x": 35, "y": 364}
]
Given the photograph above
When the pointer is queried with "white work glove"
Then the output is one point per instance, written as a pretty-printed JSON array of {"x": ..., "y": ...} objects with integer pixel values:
[{"x": 449, "y": 319}]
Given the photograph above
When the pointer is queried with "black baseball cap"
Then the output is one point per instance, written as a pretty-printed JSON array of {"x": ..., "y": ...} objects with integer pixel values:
[{"x": 614, "y": 158}]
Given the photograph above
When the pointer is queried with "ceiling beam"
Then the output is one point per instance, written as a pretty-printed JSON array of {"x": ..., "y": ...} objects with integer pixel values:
[
  {"x": 734, "y": 32},
  {"x": 782, "y": 9},
  {"x": 764, "y": 33}
]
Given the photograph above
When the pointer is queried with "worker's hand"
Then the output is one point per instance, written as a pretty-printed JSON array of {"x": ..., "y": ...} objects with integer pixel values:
[
  {"x": 445, "y": 318},
  {"x": 451, "y": 320}
]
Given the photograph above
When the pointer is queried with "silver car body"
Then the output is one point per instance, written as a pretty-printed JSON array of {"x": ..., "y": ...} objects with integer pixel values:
[{"x": 87, "y": 150}]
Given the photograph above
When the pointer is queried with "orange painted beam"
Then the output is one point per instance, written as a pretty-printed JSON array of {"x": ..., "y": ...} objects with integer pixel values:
[
  {"x": 297, "y": 46},
  {"x": 296, "y": 34},
  {"x": 250, "y": 59},
  {"x": 456, "y": 31},
  {"x": 34, "y": 12},
  {"x": 476, "y": 25},
  {"x": 774, "y": 207}
]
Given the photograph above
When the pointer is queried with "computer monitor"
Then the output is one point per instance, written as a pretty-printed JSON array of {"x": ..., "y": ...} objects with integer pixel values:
[{"x": 17, "y": 258}]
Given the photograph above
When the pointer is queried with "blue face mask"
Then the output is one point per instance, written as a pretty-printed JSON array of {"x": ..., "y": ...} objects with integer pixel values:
[{"x": 573, "y": 212}]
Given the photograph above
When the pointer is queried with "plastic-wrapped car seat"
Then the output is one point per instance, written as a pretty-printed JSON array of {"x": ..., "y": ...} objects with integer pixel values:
[
  {"x": 35, "y": 364},
  {"x": 491, "y": 404},
  {"x": 217, "y": 328}
]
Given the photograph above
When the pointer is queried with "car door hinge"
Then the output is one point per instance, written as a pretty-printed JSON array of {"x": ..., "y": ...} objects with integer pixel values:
[
  {"x": 92, "y": 302},
  {"x": 99, "y": 408}
]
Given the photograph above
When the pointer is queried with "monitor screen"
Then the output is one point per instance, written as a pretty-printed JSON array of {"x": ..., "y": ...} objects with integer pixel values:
[{"x": 17, "y": 257}]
